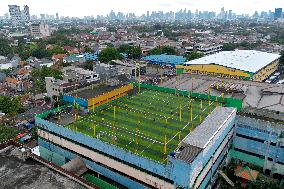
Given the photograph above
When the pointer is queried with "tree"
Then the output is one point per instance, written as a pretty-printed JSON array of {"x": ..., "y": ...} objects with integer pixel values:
[
  {"x": 10, "y": 105},
  {"x": 57, "y": 50},
  {"x": 229, "y": 46},
  {"x": 135, "y": 52},
  {"x": 5, "y": 48},
  {"x": 163, "y": 50},
  {"x": 7, "y": 133},
  {"x": 7, "y": 71},
  {"x": 194, "y": 55},
  {"x": 39, "y": 75},
  {"x": 89, "y": 50},
  {"x": 89, "y": 65},
  {"x": 41, "y": 53},
  {"x": 132, "y": 51},
  {"x": 124, "y": 48},
  {"x": 61, "y": 40},
  {"x": 108, "y": 54}
]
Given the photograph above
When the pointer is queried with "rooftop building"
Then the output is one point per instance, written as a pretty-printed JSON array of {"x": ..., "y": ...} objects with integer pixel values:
[
  {"x": 249, "y": 64},
  {"x": 136, "y": 154},
  {"x": 40, "y": 30}
]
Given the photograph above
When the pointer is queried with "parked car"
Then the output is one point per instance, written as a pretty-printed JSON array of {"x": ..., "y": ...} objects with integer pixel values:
[{"x": 280, "y": 82}]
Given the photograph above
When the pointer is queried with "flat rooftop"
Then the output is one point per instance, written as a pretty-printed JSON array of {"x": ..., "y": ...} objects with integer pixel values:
[
  {"x": 258, "y": 97},
  {"x": 91, "y": 92},
  {"x": 245, "y": 60},
  {"x": 141, "y": 123},
  {"x": 204, "y": 133}
]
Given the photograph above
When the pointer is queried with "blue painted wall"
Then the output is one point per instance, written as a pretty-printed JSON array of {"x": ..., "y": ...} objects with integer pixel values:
[
  {"x": 110, "y": 149},
  {"x": 80, "y": 101},
  {"x": 100, "y": 169}
]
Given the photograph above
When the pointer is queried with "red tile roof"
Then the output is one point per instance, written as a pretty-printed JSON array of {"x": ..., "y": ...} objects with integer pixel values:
[
  {"x": 59, "y": 56},
  {"x": 246, "y": 173},
  {"x": 12, "y": 80},
  {"x": 22, "y": 71}
]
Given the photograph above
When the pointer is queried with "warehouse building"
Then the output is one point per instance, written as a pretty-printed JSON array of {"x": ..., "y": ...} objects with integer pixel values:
[{"x": 242, "y": 64}]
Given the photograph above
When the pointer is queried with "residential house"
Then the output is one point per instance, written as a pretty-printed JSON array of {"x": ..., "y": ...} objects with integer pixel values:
[
  {"x": 13, "y": 83},
  {"x": 43, "y": 62},
  {"x": 72, "y": 74},
  {"x": 58, "y": 57},
  {"x": 6, "y": 63},
  {"x": 71, "y": 50},
  {"x": 22, "y": 73},
  {"x": 74, "y": 58}
]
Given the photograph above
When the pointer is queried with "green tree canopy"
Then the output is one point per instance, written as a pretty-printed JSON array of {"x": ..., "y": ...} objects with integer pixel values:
[
  {"x": 132, "y": 51},
  {"x": 194, "y": 55},
  {"x": 45, "y": 72},
  {"x": 89, "y": 50},
  {"x": 61, "y": 40},
  {"x": 163, "y": 50},
  {"x": 5, "y": 48},
  {"x": 108, "y": 54},
  {"x": 229, "y": 46},
  {"x": 57, "y": 50},
  {"x": 10, "y": 105},
  {"x": 7, "y": 133},
  {"x": 39, "y": 75},
  {"x": 89, "y": 65}
]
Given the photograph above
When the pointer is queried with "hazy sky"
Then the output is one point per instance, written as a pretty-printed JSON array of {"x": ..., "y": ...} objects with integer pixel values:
[{"x": 95, "y": 7}]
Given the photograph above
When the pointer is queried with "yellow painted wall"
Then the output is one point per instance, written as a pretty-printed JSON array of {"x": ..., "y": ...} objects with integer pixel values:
[
  {"x": 213, "y": 70},
  {"x": 266, "y": 71},
  {"x": 107, "y": 97}
]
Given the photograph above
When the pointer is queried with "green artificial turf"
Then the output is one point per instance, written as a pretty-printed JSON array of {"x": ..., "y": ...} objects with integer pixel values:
[{"x": 142, "y": 122}]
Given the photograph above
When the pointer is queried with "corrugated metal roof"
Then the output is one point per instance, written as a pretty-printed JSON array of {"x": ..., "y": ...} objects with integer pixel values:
[
  {"x": 188, "y": 153},
  {"x": 245, "y": 60},
  {"x": 203, "y": 133}
]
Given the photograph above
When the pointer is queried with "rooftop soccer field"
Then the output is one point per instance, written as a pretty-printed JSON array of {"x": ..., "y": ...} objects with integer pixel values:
[{"x": 149, "y": 124}]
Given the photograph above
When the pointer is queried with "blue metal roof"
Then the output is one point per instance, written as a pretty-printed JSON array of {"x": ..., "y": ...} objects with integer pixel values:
[
  {"x": 164, "y": 59},
  {"x": 90, "y": 56}
]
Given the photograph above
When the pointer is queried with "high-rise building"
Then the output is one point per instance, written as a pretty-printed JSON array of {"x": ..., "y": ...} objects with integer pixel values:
[
  {"x": 26, "y": 14},
  {"x": 278, "y": 13},
  {"x": 57, "y": 16},
  {"x": 42, "y": 16},
  {"x": 15, "y": 14}
]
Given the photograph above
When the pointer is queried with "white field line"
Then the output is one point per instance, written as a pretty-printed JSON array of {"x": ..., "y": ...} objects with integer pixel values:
[
  {"x": 124, "y": 130},
  {"x": 146, "y": 148}
]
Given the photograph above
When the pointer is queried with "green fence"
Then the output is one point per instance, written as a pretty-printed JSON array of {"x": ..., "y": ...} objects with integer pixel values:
[
  {"x": 98, "y": 182},
  {"x": 228, "y": 102},
  {"x": 53, "y": 111}
]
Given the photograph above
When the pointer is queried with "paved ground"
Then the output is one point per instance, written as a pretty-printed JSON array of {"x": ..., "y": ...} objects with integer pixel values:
[
  {"x": 255, "y": 95},
  {"x": 15, "y": 174}
]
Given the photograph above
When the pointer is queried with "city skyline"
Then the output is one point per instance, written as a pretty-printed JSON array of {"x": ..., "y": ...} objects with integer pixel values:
[{"x": 89, "y": 8}]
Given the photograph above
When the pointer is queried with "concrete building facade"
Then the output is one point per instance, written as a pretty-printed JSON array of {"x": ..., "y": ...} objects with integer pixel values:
[{"x": 40, "y": 30}]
